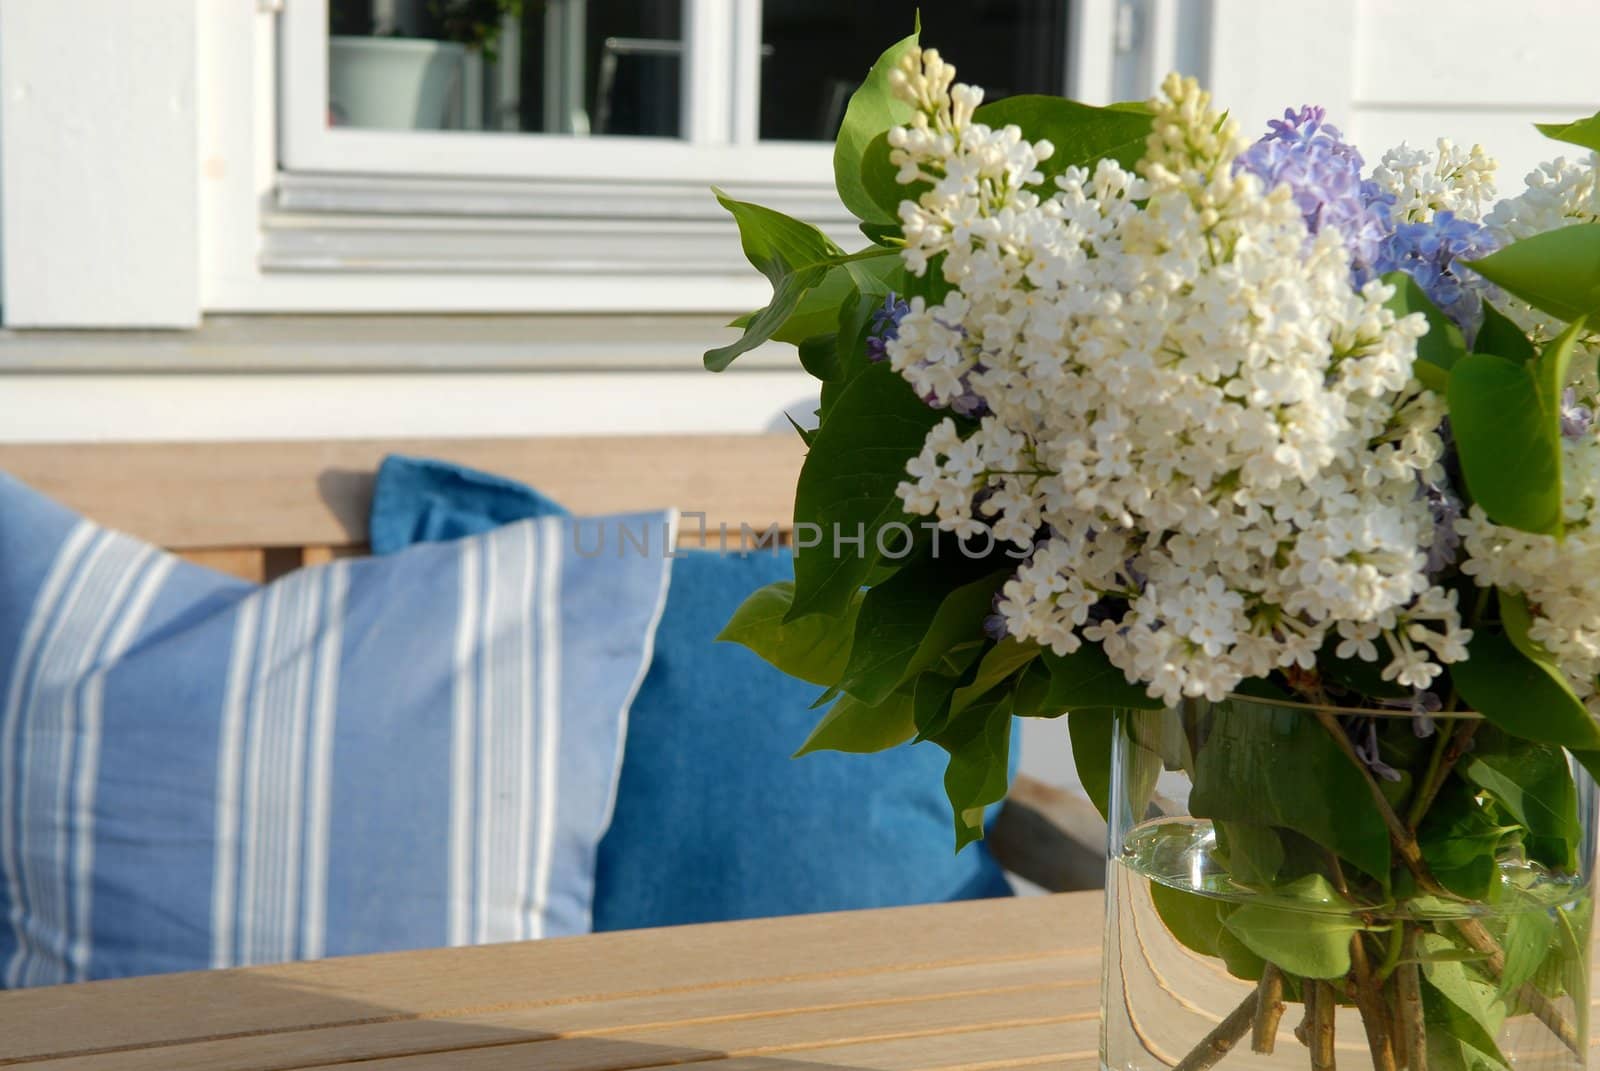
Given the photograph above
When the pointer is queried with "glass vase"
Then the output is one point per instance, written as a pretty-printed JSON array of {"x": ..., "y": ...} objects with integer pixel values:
[{"x": 1291, "y": 885}]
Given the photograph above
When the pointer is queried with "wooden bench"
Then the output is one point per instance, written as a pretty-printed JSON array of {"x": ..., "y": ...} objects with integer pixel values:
[{"x": 258, "y": 510}]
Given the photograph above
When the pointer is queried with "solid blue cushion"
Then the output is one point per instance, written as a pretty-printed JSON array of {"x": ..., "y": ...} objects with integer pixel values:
[
  {"x": 714, "y": 820},
  {"x": 372, "y": 755}
]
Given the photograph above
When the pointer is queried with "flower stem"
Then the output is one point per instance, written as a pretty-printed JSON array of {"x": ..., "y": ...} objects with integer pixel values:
[
  {"x": 1223, "y": 1037},
  {"x": 1404, "y": 843},
  {"x": 1481, "y": 940},
  {"x": 1369, "y": 1000},
  {"x": 1471, "y": 930},
  {"x": 1304, "y": 1033},
  {"x": 1269, "y": 1010},
  {"x": 1327, "y": 1004},
  {"x": 1445, "y": 757},
  {"x": 1408, "y": 987}
]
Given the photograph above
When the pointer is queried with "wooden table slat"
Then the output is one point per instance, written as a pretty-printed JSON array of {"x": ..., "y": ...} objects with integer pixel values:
[
  {"x": 985, "y": 986},
  {"x": 725, "y": 1014},
  {"x": 442, "y": 984}
]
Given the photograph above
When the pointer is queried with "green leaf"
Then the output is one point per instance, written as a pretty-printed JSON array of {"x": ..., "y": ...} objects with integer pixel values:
[
  {"x": 1255, "y": 765},
  {"x": 880, "y": 179},
  {"x": 814, "y": 649},
  {"x": 1589, "y": 759},
  {"x": 785, "y": 298},
  {"x": 873, "y": 108},
  {"x": 1518, "y": 622},
  {"x": 1240, "y": 960},
  {"x": 1032, "y": 688},
  {"x": 998, "y": 664},
  {"x": 1528, "y": 939},
  {"x": 777, "y": 244},
  {"x": 880, "y": 233},
  {"x": 1584, "y": 132},
  {"x": 818, "y": 354},
  {"x": 1468, "y": 1005},
  {"x": 931, "y": 693},
  {"x": 958, "y": 619},
  {"x": 1254, "y": 853},
  {"x": 979, "y": 744},
  {"x": 1557, "y": 271},
  {"x": 1086, "y": 678},
  {"x": 1189, "y": 917},
  {"x": 1456, "y": 1042},
  {"x": 1091, "y": 733},
  {"x": 1443, "y": 345},
  {"x": 1310, "y": 937},
  {"x": 804, "y": 432},
  {"x": 817, "y": 312},
  {"x": 909, "y": 621},
  {"x": 1503, "y": 338},
  {"x": 1509, "y": 443},
  {"x": 852, "y": 725},
  {"x": 1460, "y": 840},
  {"x": 1534, "y": 784},
  {"x": 847, "y": 487},
  {"x": 1082, "y": 134},
  {"x": 797, "y": 259},
  {"x": 1521, "y": 696},
  {"x": 874, "y": 280},
  {"x": 1552, "y": 371}
]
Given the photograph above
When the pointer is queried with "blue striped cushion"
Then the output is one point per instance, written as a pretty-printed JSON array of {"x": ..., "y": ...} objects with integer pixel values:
[{"x": 376, "y": 754}]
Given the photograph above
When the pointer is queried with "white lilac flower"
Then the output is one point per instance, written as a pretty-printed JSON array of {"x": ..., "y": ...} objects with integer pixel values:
[
  {"x": 1218, "y": 437},
  {"x": 1417, "y": 184},
  {"x": 1558, "y": 194},
  {"x": 1559, "y": 577}
]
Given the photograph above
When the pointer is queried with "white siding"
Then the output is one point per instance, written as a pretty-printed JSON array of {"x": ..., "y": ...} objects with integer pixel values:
[
  {"x": 1475, "y": 71},
  {"x": 97, "y": 141}
]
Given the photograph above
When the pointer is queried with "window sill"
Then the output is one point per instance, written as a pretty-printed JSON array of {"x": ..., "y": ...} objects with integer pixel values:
[{"x": 387, "y": 344}]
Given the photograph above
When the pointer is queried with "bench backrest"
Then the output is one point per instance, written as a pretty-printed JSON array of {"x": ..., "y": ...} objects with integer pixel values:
[{"x": 260, "y": 509}]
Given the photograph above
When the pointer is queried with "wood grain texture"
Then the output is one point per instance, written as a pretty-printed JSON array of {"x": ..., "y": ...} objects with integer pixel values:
[
  {"x": 986, "y": 979},
  {"x": 980, "y": 986},
  {"x": 246, "y": 563},
  {"x": 299, "y": 494}
]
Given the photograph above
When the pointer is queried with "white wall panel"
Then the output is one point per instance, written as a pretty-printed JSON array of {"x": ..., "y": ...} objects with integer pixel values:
[
  {"x": 1472, "y": 52},
  {"x": 98, "y": 147}
]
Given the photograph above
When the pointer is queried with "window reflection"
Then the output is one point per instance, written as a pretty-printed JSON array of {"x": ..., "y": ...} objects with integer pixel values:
[
  {"x": 818, "y": 50},
  {"x": 526, "y": 66}
]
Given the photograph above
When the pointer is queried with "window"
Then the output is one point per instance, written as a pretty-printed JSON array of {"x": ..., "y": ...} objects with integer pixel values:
[
  {"x": 724, "y": 90},
  {"x": 572, "y": 140}
]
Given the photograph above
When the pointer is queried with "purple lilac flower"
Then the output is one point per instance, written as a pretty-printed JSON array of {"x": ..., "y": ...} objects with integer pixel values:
[
  {"x": 994, "y": 626},
  {"x": 1576, "y": 420},
  {"x": 1423, "y": 705},
  {"x": 1307, "y": 154},
  {"x": 1428, "y": 251},
  {"x": 1363, "y": 734},
  {"x": 1445, "y": 507},
  {"x": 885, "y": 325},
  {"x": 969, "y": 403}
]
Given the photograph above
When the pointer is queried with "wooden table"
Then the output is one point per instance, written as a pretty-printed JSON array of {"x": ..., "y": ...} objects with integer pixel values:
[{"x": 959, "y": 987}]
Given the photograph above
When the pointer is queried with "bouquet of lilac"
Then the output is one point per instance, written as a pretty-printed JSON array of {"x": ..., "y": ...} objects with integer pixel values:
[{"x": 1278, "y": 475}]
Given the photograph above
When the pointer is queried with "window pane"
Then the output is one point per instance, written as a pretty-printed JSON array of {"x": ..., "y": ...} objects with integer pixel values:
[
  {"x": 815, "y": 52},
  {"x": 518, "y": 66}
]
